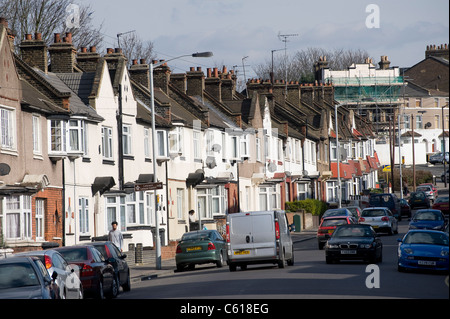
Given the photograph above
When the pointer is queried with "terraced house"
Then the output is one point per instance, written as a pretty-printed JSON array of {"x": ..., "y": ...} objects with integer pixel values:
[{"x": 87, "y": 119}]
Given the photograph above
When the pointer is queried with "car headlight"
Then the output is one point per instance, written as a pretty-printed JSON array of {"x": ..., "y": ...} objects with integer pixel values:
[
  {"x": 412, "y": 227},
  {"x": 367, "y": 246},
  {"x": 408, "y": 251},
  {"x": 332, "y": 245},
  {"x": 444, "y": 252},
  {"x": 437, "y": 227}
]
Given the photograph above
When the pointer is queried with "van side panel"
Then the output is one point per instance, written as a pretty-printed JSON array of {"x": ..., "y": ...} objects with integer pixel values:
[{"x": 264, "y": 235}]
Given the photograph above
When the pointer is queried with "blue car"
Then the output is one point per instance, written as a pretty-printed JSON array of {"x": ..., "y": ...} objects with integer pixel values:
[
  {"x": 428, "y": 219},
  {"x": 423, "y": 249}
]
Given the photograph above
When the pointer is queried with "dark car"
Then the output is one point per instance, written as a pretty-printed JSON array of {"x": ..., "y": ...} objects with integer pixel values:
[
  {"x": 441, "y": 203},
  {"x": 337, "y": 212},
  {"x": 354, "y": 242},
  {"x": 97, "y": 275},
  {"x": 405, "y": 208},
  {"x": 111, "y": 253},
  {"x": 387, "y": 200},
  {"x": 428, "y": 219},
  {"x": 200, "y": 247},
  {"x": 25, "y": 278},
  {"x": 418, "y": 199},
  {"x": 328, "y": 225}
]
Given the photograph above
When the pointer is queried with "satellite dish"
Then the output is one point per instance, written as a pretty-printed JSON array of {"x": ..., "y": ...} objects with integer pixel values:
[
  {"x": 305, "y": 173},
  {"x": 4, "y": 169},
  {"x": 216, "y": 148},
  {"x": 211, "y": 162},
  {"x": 272, "y": 167}
]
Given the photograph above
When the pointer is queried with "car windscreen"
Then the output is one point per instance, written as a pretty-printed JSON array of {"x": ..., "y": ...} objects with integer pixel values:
[
  {"x": 353, "y": 232},
  {"x": 334, "y": 222},
  {"x": 16, "y": 275},
  {"x": 373, "y": 213},
  {"x": 336, "y": 212},
  {"x": 423, "y": 189},
  {"x": 427, "y": 216},
  {"x": 426, "y": 238},
  {"x": 74, "y": 254},
  {"x": 442, "y": 199}
]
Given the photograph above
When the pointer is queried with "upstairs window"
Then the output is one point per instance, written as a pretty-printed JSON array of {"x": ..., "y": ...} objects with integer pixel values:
[
  {"x": 8, "y": 128},
  {"x": 58, "y": 137},
  {"x": 107, "y": 143}
]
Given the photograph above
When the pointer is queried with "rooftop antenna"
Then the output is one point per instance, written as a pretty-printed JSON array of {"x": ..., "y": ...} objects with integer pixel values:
[
  {"x": 245, "y": 78},
  {"x": 121, "y": 34},
  {"x": 284, "y": 38}
]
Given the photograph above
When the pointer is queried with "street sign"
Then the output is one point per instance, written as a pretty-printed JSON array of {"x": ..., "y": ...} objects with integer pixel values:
[
  {"x": 386, "y": 168},
  {"x": 148, "y": 187}
]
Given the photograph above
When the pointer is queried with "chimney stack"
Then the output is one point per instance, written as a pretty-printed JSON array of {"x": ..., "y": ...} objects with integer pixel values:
[
  {"x": 384, "y": 63},
  {"x": 195, "y": 82},
  {"x": 161, "y": 77},
  {"x": 88, "y": 60},
  {"x": 34, "y": 51},
  {"x": 213, "y": 84},
  {"x": 140, "y": 72},
  {"x": 62, "y": 54}
]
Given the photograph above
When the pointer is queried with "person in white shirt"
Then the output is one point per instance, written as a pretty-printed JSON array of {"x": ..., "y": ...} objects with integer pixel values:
[{"x": 115, "y": 236}]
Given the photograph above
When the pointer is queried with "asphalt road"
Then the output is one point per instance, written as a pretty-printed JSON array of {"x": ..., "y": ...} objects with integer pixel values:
[{"x": 309, "y": 278}]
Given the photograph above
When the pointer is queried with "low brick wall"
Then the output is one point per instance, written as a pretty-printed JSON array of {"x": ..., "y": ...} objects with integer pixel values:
[{"x": 138, "y": 255}]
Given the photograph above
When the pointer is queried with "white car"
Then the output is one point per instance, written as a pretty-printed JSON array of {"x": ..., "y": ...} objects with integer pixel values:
[
  {"x": 427, "y": 190},
  {"x": 380, "y": 218}
]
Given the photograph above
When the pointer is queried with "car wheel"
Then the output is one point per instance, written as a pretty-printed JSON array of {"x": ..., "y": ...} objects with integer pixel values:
[
  {"x": 180, "y": 267},
  {"x": 290, "y": 262},
  {"x": 127, "y": 285},
  {"x": 100, "y": 292},
  {"x": 219, "y": 263},
  {"x": 282, "y": 261},
  {"x": 232, "y": 267},
  {"x": 329, "y": 260},
  {"x": 114, "y": 291},
  {"x": 321, "y": 245}
]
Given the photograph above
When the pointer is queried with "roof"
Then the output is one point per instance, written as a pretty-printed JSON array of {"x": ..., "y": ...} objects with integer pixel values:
[{"x": 35, "y": 100}]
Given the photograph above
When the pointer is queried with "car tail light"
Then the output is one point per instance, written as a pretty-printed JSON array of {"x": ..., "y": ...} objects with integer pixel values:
[
  {"x": 48, "y": 262},
  {"x": 178, "y": 249},
  {"x": 228, "y": 233},
  {"x": 87, "y": 270},
  {"x": 211, "y": 246},
  {"x": 277, "y": 230},
  {"x": 362, "y": 219},
  {"x": 385, "y": 219}
]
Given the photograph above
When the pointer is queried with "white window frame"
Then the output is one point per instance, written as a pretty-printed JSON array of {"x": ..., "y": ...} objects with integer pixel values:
[
  {"x": 176, "y": 141},
  {"x": 333, "y": 150},
  {"x": 235, "y": 145},
  {"x": 197, "y": 144},
  {"x": 115, "y": 208},
  {"x": 161, "y": 144},
  {"x": 80, "y": 132},
  {"x": 146, "y": 142},
  {"x": 127, "y": 143},
  {"x": 180, "y": 203},
  {"x": 107, "y": 143},
  {"x": 83, "y": 214},
  {"x": 302, "y": 191},
  {"x": 268, "y": 197},
  {"x": 8, "y": 128},
  {"x": 57, "y": 134},
  {"x": 20, "y": 207},
  {"x": 37, "y": 144},
  {"x": 211, "y": 195},
  {"x": 258, "y": 149},
  {"x": 39, "y": 218},
  {"x": 244, "y": 140}
]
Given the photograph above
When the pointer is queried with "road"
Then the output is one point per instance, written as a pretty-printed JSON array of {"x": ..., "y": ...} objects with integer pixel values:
[{"x": 309, "y": 278}]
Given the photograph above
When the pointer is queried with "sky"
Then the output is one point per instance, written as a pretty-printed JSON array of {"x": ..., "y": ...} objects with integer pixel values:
[{"x": 250, "y": 29}]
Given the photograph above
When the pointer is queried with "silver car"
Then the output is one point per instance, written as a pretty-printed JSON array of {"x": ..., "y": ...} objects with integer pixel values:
[
  {"x": 67, "y": 281},
  {"x": 427, "y": 190},
  {"x": 380, "y": 218}
]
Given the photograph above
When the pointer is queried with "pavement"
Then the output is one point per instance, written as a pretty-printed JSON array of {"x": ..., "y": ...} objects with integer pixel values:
[{"x": 148, "y": 271}]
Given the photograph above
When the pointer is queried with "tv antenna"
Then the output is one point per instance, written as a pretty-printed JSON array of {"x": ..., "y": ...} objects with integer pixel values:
[
  {"x": 121, "y": 34},
  {"x": 284, "y": 38}
]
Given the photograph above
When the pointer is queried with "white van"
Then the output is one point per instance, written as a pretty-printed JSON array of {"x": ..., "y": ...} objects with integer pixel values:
[{"x": 257, "y": 238}]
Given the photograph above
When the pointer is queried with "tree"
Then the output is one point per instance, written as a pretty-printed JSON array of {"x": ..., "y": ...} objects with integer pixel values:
[
  {"x": 52, "y": 16},
  {"x": 300, "y": 66},
  {"x": 134, "y": 48}
]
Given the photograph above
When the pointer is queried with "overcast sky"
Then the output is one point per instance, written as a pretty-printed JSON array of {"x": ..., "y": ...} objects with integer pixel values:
[{"x": 233, "y": 29}]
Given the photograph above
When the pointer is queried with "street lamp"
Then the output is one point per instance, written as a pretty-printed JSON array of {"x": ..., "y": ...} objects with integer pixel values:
[
  {"x": 443, "y": 143},
  {"x": 338, "y": 154},
  {"x": 152, "y": 67}
]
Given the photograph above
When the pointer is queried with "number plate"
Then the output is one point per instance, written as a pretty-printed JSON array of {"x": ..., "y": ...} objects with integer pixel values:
[
  {"x": 330, "y": 231},
  {"x": 426, "y": 263},
  {"x": 242, "y": 252},
  {"x": 348, "y": 252},
  {"x": 194, "y": 248}
]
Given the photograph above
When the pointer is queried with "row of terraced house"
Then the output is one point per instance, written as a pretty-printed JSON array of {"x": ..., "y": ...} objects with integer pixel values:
[{"x": 76, "y": 139}]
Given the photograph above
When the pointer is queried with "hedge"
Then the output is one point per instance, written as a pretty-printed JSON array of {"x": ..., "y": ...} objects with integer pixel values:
[{"x": 314, "y": 206}]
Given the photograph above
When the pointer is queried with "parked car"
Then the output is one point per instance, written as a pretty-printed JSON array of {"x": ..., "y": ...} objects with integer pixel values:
[
  {"x": 356, "y": 211},
  {"x": 423, "y": 249},
  {"x": 96, "y": 274},
  {"x": 336, "y": 212},
  {"x": 354, "y": 241},
  {"x": 25, "y": 278},
  {"x": 328, "y": 225},
  {"x": 439, "y": 158},
  {"x": 446, "y": 176},
  {"x": 200, "y": 247},
  {"x": 428, "y": 219},
  {"x": 68, "y": 283},
  {"x": 380, "y": 218},
  {"x": 434, "y": 189},
  {"x": 441, "y": 203},
  {"x": 387, "y": 200},
  {"x": 418, "y": 199},
  {"x": 259, "y": 238},
  {"x": 117, "y": 259},
  {"x": 427, "y": 190},
  {"x": 405, "y": 208}
]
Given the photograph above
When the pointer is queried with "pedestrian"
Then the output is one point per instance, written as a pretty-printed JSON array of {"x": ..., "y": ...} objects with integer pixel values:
[{"x": 115, "y": 236}]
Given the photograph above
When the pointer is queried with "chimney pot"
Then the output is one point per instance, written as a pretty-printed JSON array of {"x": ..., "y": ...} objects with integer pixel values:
[
  {"x": 134, "y": 62},
  {"x": 69, "y": 37},
  {"x": 224, "y": 69},
  {"x": 83, "y": 49},
  {"x": 109, "y": 50},
  {"x": 199, "y": 68},
  {"x": 192, "y": 69},
  {"x": 142, "y": 61},
  {"x": 208, "y": 72},
  {"x": 93, "y": 49},
  {"x": 28, "y": 36},
  {"x": 38, "y": 36},
  {"x": 118, "y": 50}
]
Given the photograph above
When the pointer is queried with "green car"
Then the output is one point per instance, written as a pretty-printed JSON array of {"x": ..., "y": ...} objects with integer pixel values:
[{"x": 200, "y": 247}]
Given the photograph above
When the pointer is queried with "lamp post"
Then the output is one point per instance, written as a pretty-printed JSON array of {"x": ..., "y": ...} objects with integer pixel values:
[
  {"x": 152, "y": 67},
  {"x": 443, "y": 143},
  {"x": 339, "y": 192}
]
